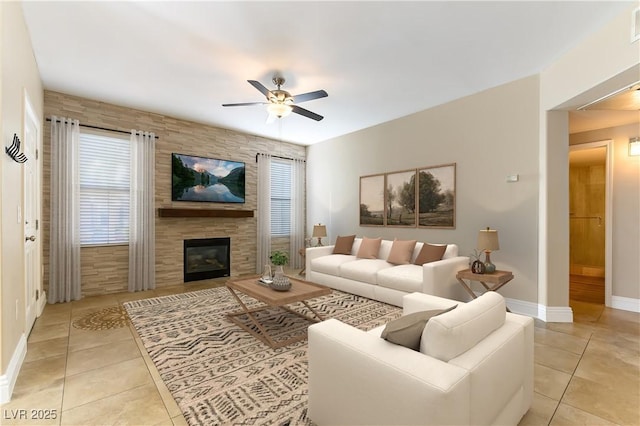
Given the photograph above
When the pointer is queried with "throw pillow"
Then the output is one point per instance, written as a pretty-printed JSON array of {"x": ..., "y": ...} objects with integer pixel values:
[
  {"x": 369, "y": 248},
  {"x": 407, "y": 330},
  {"x": 343, "y": 244},
  {"x": 401, "y": 252},
  {"x": 430, "y": 253}
]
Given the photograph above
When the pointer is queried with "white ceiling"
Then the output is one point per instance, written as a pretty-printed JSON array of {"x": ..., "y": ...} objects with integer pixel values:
[{"x": 377, "y": 60}]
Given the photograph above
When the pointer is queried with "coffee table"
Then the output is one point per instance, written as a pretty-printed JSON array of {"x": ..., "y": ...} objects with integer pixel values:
[{"x": 300, "y": 291}]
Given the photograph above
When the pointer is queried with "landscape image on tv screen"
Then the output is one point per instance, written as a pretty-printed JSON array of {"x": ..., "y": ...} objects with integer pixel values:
[{"x": 206, "y": 179}]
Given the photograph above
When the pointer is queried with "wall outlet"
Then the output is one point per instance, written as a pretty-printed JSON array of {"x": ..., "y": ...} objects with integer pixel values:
[{"x": 513, "y": 178}]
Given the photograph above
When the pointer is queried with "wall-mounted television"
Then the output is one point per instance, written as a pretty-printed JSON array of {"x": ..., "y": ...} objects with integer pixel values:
[{"x": 206, "y": 179}]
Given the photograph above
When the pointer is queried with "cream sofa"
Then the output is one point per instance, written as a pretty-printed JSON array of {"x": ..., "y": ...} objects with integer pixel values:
[
  {"x": 474, "y": 367},
  {"x": 380, "y": 280}
]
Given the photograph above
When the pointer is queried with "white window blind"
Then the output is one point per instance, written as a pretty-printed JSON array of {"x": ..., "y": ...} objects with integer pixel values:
[
  {"x": 280, "y": 198},
  {"x": 104, "y": 190}
]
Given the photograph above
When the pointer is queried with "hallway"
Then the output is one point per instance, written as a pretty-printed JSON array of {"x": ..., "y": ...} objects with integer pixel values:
[{"x": 588, "y": 289}]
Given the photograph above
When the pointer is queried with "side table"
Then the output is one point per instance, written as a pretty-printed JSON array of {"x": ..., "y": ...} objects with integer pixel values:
[
  {"x": 303, "y": 253},
  {"x": 495, "y": 280}
]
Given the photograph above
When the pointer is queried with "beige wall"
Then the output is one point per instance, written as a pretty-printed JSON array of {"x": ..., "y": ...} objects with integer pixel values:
[
  {"x": 604, "y": 62},
  {"x": 19, "y": 76},
  {"x": 496, "y": 140},
  {"x": 532, "y": 216},
  {"x": 625, "y": 209},
  {"x": 104, "y": 269}
]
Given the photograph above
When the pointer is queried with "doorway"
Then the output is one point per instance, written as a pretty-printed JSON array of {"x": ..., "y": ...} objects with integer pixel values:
[{"x": 589, "y": 222}]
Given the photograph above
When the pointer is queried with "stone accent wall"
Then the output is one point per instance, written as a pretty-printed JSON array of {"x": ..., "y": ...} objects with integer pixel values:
[{"x": 105, "y": 269}]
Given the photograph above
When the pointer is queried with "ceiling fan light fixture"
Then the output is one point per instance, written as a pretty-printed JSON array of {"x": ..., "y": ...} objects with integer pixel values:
[
  {"x": 281, "y": 103},
  {"x": 279, "y": 110}
]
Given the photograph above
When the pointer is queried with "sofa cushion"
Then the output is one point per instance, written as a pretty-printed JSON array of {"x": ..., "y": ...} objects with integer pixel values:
[
  {"x": 401, "y": 252},
  {"x": 451, "y": 251},
  {"x": 369, "y": 248},
  {"x": 407, "y": 278},
  {"x": 344, "y": 244},
  {"x": 364, "y": 270},
  {"x": 453, "y": 333},
  {"x": 430, "y": 253},
  {"x": 330, "y": 264},
  {"x": 407, "y": 330}
]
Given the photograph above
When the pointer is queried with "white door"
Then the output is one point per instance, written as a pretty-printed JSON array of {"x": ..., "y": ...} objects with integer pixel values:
[{"x": 33, "y": 276}]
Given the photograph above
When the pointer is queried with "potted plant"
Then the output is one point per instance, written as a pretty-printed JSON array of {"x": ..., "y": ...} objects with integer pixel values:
[
  {"x": 279, "y": 258},
  {"x": 280, "y": 281}
]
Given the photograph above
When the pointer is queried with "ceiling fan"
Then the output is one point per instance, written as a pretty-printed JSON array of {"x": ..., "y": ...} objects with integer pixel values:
[{"x": 281, "y": 103}]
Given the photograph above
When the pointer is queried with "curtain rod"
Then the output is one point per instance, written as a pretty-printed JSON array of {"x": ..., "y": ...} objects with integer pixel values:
[
  {"x": 102, "y": 128},
  {"x": 282, "y": 158}
]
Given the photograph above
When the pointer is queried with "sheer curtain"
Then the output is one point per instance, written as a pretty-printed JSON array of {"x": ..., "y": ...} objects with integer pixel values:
[
  {"x": 142, "y": 262},
  {"x": 264, "y": 212},
  {"x": 64, "y": 244},
  {"x": 296, "y": 236}
]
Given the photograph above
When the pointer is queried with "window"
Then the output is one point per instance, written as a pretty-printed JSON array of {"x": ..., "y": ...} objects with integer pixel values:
[
  {"x": 104, "y": 190},
  {"x": 280, "y": 198}
]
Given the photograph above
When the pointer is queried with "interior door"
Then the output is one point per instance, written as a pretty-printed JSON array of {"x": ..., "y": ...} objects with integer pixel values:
[{"x": 32, "y": 251}]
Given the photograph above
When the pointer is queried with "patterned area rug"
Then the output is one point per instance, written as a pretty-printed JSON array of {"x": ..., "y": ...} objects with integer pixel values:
[{"x": 218, "y": 373}]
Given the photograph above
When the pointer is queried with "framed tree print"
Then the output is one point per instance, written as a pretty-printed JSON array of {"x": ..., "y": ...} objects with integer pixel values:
[
  {"x": 400, "y": 198},
  {"x": 436, "y": 196},
  {"x": 372, "y": 200}
]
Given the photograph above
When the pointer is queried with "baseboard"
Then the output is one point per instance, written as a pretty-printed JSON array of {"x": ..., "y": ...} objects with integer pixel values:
[
  {"x": 517, "y": 306},
  {"x": 535, "y": 310},
  {"x": 555, "y": 313},
  {"x": 625, "y": 303},
  {"x": 8, "y": 380},
  {"x": 42, "y": 302}
]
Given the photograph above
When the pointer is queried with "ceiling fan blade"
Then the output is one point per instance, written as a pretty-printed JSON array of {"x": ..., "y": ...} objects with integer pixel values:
[
  {"x": 306, "y": 113},
  {"x": 304, "y": 97},
  {"x": 260, "y": 87},
  {"x": 245, "y": 104}
]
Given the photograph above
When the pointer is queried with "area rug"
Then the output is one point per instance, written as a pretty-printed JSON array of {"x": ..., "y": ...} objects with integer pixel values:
[
  {"x": 104, "y": 319},
  {"x": 221, "y": 375}
]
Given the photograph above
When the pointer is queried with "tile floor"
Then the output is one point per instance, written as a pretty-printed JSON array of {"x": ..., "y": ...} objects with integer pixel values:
[{"x": 586, "y": 372}]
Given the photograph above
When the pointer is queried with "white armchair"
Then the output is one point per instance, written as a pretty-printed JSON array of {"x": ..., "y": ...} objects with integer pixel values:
[{"x": 475, "y": 366}]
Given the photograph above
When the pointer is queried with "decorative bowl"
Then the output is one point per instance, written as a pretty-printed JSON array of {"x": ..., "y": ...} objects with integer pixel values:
[{"x": 280, "y": 283}]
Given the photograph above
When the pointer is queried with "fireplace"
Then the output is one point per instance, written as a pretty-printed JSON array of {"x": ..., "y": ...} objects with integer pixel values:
[{"x": 207, "y": 258}]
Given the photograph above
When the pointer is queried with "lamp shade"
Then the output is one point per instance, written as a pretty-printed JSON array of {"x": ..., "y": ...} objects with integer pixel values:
[
  {"x": 488, "y": 240},
  {"x": 319, "y": 231}
]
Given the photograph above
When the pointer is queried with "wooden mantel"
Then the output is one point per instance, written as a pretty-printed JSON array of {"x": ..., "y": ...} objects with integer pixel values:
[{"x": 180, "y": 212}]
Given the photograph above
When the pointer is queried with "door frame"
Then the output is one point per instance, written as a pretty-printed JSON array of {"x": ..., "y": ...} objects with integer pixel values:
[
  {"x": 31, "y": 115},
  {"x": 608, "y": 210}
]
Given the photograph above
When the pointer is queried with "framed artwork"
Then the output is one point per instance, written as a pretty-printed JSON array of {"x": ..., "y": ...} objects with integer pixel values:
[
  {"x": 372, "y": 200},
  {"x": 400, "y": 198},
  {"x": 436, "y": 196}
]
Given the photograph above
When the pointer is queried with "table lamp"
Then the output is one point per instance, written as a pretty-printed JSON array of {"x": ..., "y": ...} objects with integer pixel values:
[
  {"x": 319, "y": 231},
  {"x": 488, "y": 242}
]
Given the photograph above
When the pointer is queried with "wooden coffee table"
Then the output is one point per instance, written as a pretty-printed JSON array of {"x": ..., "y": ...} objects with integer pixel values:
[{"x": 300, "y": 291}]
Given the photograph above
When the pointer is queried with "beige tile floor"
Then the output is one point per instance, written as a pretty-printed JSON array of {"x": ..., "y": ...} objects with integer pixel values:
[{"x": 586, "y": 372}]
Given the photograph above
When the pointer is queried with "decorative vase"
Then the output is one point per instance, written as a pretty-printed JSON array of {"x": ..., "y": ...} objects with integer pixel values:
[
  {"x": 280, "y": 280},
  {"x": 477, "y": 267},
  {"x": 266, "y": 277}
]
